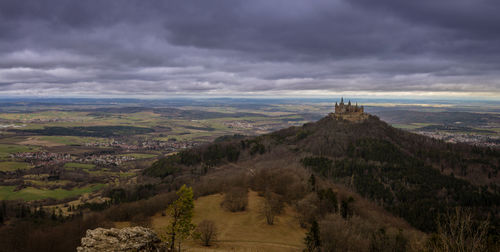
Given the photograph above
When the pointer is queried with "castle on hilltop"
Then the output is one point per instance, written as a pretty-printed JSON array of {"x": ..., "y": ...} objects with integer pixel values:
[{"x": 341, "y": 109}]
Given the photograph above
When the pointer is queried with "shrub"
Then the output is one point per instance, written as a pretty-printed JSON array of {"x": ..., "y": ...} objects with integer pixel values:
[
  {"x": 272, "y": 206},
  {"x": 235, "y": 199},
  {"x": 338, "y": 234},
  {"x": 307, "y": 209}
]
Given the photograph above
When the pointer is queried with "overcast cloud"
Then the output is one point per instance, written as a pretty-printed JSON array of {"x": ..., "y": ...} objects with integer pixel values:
[{"x": 156, "y": 48}]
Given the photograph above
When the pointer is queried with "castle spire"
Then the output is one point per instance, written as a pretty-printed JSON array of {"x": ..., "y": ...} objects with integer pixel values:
[{"x": 349, "y": 109}]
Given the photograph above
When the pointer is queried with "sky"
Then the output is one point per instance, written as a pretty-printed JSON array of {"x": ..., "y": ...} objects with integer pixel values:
[{"x": 233, "y": 48}]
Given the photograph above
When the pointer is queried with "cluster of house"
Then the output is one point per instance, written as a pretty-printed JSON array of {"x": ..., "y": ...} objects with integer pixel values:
[
  {"x": 239, "y": 125},
  {"x": 45, "y": 120},
  {"x": 113, "y": 144},
  {"x": 170, "y": 146},
  {"x": 474, "y": 139},
  {"x": 42, "y": 158},
  {"x": 105, "y": 160}
]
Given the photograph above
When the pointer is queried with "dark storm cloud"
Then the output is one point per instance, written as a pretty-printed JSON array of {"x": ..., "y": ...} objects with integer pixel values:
[{"x": 222, "y": 47}]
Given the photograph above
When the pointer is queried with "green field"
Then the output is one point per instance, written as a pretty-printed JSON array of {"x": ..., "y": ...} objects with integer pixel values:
[
  {"x": 72, "y": 140},
  {"x": 411, "y": 126},
  {"x": 46, "y": 183},
  {"x": 13, "y": 166},
  {"x": 6, "y": 149},
  {"x": 31, "y": 193},
  {"x": 140, "y": 155},
  {"x": 112, "y": 174},
  {"x": 126, "y": 174},
  {"x": 72, "y": 166}
]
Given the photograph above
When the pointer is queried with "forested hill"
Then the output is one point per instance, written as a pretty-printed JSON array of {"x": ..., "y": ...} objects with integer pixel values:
[
  {"x": 375, "y": 140},
  {"x": 411, "y": 176}
]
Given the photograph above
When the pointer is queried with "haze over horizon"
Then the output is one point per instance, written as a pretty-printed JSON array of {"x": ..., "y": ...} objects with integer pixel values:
[{"x": 260, "y": 48}]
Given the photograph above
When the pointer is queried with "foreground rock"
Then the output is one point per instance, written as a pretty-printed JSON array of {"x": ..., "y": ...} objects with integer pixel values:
[{"x": 126, "y": 239}]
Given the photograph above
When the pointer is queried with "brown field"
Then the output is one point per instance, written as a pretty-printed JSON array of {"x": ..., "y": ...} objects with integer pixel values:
[{"x": 241, "y": 231}]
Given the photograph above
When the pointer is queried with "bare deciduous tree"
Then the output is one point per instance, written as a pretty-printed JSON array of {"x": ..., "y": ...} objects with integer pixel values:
[
  {"x": 236, "y": 199},
  {"x": 272, "y": 206},
  {"x": 206, "y": 231},
  {"x": 307, "y": 209},
  {"x": 458, "y": 232}
]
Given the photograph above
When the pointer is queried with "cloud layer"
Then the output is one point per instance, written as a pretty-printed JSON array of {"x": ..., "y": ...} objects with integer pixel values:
[{"x": 259, "y": 47}]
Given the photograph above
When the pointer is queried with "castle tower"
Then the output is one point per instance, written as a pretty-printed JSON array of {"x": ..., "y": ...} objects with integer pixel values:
[
  {"x": 349, "y": 108},
  {"x": 349, "y": 111}
]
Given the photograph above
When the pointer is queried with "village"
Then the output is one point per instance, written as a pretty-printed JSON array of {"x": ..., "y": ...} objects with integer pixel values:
[
  {"x": 492, "y": 141},
  {"x": 116, "y": 154},
  {"x": 42, "y": 158},
  {"x": 49, "y": 159},
  {"x": 147, "y": 145}
]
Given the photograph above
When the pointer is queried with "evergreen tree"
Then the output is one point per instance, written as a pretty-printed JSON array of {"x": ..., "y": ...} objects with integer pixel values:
[
  {"x": 345, "y": 209},
  {"x": 312, "y": 182},
  {"x": 312, "y": 240},
  {"x": 181, "y": 213},
  {"x": 400, "y": 242}
]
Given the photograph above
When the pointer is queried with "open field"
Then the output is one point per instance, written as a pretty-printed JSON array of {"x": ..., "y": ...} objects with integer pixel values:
[
  {"x": 411, "y": 126},
  {"x": 38, "y": 141},
  {"x": 46, "y": 183},
  {"x": 243, "y": 231},
  {"x": 73, "y": 166},
  {"x": 13, "y": 166},
  {"x": 140, "y": 155},
  {"x": 6, "y": 149},
  {"x": 70, "y": 140},
  {"x": 31, "y": 193}
]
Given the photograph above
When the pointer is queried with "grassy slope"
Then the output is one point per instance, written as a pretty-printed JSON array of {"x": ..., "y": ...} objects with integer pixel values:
[
  {"x": 31, "y": 193},
  {"x": 243, "y": 231}
]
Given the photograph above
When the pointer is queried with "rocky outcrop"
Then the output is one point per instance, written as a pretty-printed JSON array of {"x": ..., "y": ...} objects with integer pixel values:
[{"x": 126, "y": 239}]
